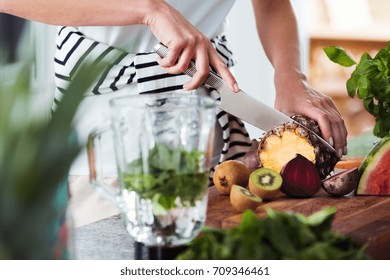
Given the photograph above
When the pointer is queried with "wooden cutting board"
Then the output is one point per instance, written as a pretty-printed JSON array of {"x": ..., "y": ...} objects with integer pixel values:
[{"x": 366, "y": 218}]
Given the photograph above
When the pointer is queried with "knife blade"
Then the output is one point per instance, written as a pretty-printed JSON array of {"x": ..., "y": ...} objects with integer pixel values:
[{"x": 250, "y": 109}]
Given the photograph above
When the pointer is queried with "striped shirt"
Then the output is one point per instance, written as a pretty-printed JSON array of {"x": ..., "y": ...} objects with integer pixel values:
[{"x": 126, "y": 68}]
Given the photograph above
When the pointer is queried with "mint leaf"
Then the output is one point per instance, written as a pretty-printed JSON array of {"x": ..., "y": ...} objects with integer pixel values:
[
  {"x": 279, "y": 235},
  {"x": 160, "y": 205},
  {"x": 364, "y": 88},
  {"x": 352, "y": 83},
  {"x": 339, "y": 56},
  {"x": 161, "y": 157},
  {"x": 171, "y": 173},
  {"x": 366, "y": 65},
  {"x": 369, "y": 105}
]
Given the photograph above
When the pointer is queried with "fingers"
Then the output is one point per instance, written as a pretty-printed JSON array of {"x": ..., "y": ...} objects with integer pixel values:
[
  {"x": 202, "y": 70},
  {"x": 329, "y": 119},
  {"x": 313, "y": 104},
  {"x": 178, "y": 60},
  {"x": 186, "y": 43},
  {"x": 224, "y": 72},
  {"x": 172, "y": 57},
  {"x": 340, "y": 136},
  {"x": 337, "y": 125},
  {"x": 332, "y": 128}
]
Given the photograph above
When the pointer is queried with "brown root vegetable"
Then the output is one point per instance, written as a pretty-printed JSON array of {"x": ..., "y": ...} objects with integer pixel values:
[
  {"x": 242, "y": 199},
  {"x": 229, "y": 173},
  {"x": 342, "y": 183},
  {"x": 251, "y": 158}
]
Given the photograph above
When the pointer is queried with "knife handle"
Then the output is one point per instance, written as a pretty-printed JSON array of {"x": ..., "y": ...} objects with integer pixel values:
[{"x": 213, "y": 80}]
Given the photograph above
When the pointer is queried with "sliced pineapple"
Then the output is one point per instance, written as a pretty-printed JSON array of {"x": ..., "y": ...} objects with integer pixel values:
[
  {"x": 278, "y": 150},
  {"x": 281, "y": 144}
]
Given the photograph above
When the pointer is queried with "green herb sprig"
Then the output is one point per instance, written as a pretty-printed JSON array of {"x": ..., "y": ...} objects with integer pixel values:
[
  {"x": 370, "y": 82},
  {"x": 278, "y": 236},
  {"x": 172, "y": 173}
]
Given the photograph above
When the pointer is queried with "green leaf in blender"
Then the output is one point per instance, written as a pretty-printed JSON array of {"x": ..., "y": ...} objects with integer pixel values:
[{"x": 172, "y": 173}]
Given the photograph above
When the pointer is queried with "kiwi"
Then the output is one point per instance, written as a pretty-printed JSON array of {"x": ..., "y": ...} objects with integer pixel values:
[
  {"x": 265, "y": 183},
  {"x": 242, "y": 199},
  {"x": 229, "y": 173}
]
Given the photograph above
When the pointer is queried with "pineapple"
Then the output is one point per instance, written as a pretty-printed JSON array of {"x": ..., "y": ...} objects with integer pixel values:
[{"x": 282, "y": 143}]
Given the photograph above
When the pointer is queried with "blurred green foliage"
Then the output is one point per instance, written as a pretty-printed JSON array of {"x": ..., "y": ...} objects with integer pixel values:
[
  {"x": 278, "y": 236},
  {"x": 35, "y": 155}
]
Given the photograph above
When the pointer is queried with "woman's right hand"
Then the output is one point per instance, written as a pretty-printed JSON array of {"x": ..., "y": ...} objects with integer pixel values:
[{"x": 185, "y": 43}]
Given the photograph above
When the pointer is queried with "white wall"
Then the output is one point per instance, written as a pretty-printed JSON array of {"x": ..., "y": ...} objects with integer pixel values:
[
  {"x": 44, "y": 46},
  {"x": 253, "y": 71}
]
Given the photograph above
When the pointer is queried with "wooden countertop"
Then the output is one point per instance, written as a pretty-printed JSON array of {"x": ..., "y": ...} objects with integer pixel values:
[{"x": 366, "y": 218}]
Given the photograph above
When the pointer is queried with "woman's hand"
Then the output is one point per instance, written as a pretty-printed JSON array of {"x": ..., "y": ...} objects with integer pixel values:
[
  {"x": 296, "y": 96},
  {"x": 185, "y": 43}
]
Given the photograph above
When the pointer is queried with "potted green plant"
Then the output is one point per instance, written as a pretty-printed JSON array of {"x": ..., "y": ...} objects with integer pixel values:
[{"x": 370, "y": 82}]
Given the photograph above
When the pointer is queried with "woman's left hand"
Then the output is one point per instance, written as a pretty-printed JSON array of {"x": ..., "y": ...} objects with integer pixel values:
[{"x": 295, "y": 96}]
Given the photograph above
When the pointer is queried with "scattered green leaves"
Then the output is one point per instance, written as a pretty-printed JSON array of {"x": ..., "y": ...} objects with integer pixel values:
[
  {"x": 280, "y": 235},
  {"x": 169, "y": 174},
  {"x": 370, "y": 82}
]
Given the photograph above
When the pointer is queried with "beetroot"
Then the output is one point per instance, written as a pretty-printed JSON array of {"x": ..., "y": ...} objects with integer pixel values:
[{"x": 300, "y": 177}]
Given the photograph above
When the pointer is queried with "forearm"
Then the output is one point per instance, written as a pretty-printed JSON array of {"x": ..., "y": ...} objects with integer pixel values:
[
  {"x": 184, "y": 41},
  {"x": 83, "y": 13},
  {"x": 278, "y": 32}
]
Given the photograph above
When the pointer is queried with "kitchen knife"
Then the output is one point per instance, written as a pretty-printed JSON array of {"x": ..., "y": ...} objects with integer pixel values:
[{"x": 241, "y": 104}]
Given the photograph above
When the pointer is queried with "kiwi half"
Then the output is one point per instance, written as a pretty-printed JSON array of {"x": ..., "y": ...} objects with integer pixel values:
[
  {"x": 265, "y": 183},
  {"x": 229, "y": 173},
  {"x": 242, "y": 199}
]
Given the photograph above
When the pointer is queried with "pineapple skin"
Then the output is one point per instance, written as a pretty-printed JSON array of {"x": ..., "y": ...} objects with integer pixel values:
[{"x": 283, "y": 142}]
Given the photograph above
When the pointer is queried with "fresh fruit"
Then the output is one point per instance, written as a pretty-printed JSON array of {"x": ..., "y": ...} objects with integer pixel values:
[
  {"x": 300, "y": 178},
  {"x": 251, "y": 158},
  {"x": 375, "y": 174},
  {"x": 229, "y": 173},
  {"x": 279, "y": 145},
  {"x": 342, "y": 183},
  {"x": 265, "y": 183},
  {"x": 242, "y": 199}
]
